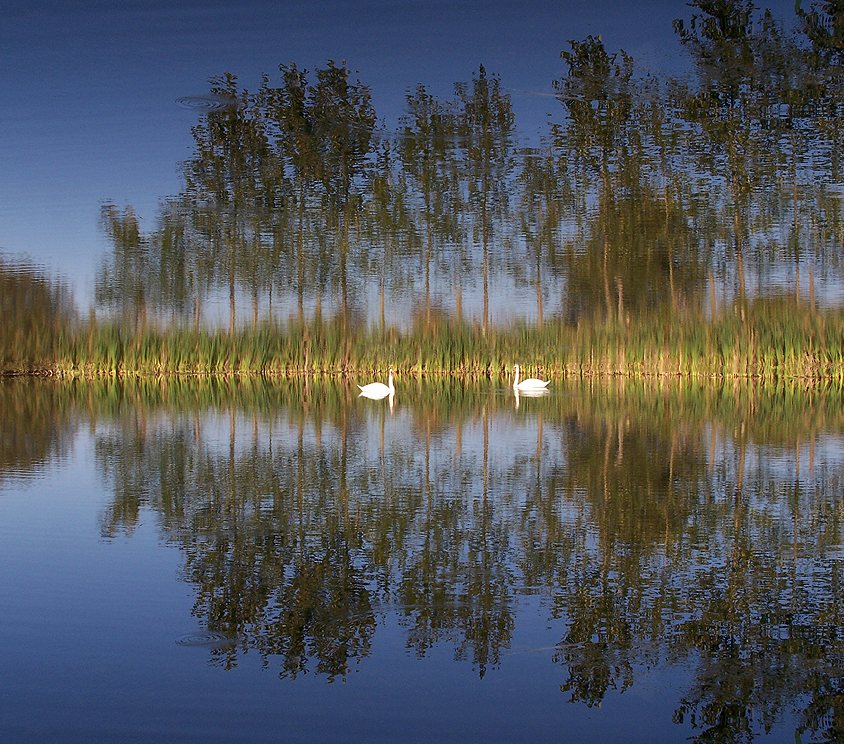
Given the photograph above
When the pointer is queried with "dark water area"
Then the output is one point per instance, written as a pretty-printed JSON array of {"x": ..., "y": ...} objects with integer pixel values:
[{"x": 254, "y": 561}]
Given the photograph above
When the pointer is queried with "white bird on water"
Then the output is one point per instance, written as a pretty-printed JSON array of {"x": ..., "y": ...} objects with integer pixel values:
[
  {"x": 378, "y": 390},
  {"x": 531, "y": 383}
]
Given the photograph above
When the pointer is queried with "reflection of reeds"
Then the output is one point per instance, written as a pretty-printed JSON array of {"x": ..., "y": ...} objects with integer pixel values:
[
  {"x": 778, "y": 340},
  {"x": 762, "y": 411}
]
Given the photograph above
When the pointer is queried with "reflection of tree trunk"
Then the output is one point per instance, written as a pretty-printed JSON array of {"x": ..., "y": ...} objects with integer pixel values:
[
  {"x": 427, "y": 272},
  {"x": 811, "y": 289},
  {"x": 255, "y": 306},
  {"x": 381, "y": 303},
  {"x": 484, "y": 239},
  {"x": 300, "y": 255},
  {"x": 141, "y": 313},
  {"x": 796, "y": 221},
  {"x": 458, "y": 297},
  {"x": 739, "y": 241},
  {"x": 619, "y": 287},
  {"x": 231, "y": 304},
  {"x": 344, "y": 279},
  {"x": 231, "y": 255},
  {"x": 713, "y": 300},
  {"x": 605, "y": 180},
  {"x": 670, "y": 249},
  {"x": 539, "y": 309}
]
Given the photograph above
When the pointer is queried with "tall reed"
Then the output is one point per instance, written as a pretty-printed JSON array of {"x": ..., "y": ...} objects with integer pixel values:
[{"x": 776, "y": 340}]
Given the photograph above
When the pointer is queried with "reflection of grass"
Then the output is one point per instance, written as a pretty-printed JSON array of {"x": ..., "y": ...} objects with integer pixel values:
[
  {"x": 775, "y": 412},
  {"x": 778, "y": 340}
]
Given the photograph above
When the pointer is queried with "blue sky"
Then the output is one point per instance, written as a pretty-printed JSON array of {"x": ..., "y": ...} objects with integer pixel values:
[{"x": 89, "y": 88}]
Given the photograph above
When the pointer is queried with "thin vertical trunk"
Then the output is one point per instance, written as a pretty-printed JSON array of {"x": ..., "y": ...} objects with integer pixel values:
[
  {"x": 620, "y": 289},
  {"x": 427, "y": 271},
  {"x": 344, "y": 279},
  {"x": 539, "y": 303},
  {"x": 458, "y": 297},
  {"x": 739, "y": 241},
  {"x": 255, "y": 307},
  {"x": 713, "y": 299},
  {"x": 484, "y": 239},
  {"x": 300, "y": 256},
  {"x": 232, "y": 308},
  {"x": 485, "y": 426},
  {"x": 381, "y": 304}
]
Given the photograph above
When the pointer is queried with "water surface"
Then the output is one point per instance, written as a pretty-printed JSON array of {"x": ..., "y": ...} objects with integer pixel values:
[{"x": 251, "y": 561}]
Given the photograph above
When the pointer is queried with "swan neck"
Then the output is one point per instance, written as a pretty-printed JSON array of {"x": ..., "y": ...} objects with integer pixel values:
[
  {"x": 390, "y": 382},
  {"x": 516, "y": 378}
]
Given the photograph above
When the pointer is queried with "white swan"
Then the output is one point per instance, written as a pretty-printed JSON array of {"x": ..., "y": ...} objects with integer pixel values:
[
  {"x": 378, "y": 390},
  {"x": 531, "y": 383}
]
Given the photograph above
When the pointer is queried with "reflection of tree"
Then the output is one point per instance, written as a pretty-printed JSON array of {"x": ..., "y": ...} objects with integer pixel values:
[
  {"x": 224, "y": 179},
  {"x": 428, "y": 156},
  {"x": 635, "y": 240},
  {"x": 485, "y": 126},
  {"x": 287, "y": 186},
  {"x": 124, "y": 280},
  {"x": 597, "y": 95},
  {"x": 35, "y": 312}
]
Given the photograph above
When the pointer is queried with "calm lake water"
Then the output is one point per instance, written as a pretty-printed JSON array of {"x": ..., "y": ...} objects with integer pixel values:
[
  {"x": 200, "y": 560},
  {"x": 253, "y": 561}
]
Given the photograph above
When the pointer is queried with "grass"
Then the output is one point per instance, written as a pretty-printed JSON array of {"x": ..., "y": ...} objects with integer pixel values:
[{"x": 776, "y": 340}]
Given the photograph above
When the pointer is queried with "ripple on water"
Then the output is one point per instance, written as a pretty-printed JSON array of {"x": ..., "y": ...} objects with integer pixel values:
[
  {"x": 207, "y": 103},
  {"x": 206, "y": 639}
]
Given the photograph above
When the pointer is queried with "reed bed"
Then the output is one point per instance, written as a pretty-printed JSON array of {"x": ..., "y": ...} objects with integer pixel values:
[{"x": 766, "y": 340}]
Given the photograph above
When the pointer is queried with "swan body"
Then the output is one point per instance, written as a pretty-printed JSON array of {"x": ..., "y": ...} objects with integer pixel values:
[
  {"x": 378, "y": 390},
  {"x": 531, "y": 383}
]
